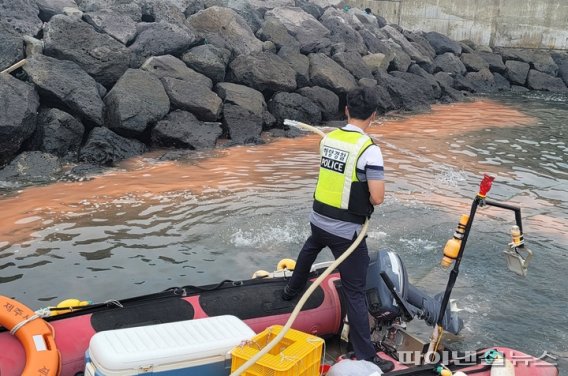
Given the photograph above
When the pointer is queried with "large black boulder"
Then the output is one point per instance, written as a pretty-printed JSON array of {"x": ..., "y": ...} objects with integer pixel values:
[
  {"x": 307, "y": 30},
  {"x": 194, "y": 7},
  {"x": 354, "y": 63},
  {"x": 21, "y": 15},
  {"x": 208, "y": 60},
  {"x": 161, "y": 38},
  {"x": 378, "y": 62},
  {"x": 495, "y": 61},
  {"x": 181, "y": 129},
  {"x": 310, "y": 7},
  {"x": 400, "y": 60},
  {"x": 559, "y": 57},
  {"x": 325, "y": 99},
  {"x": 225, "y": 28},
  {"x": 464, "y": 84},
  {"x": 243, "y": 126},
  {"x": 411, "y": 49},
  {"x": 193, "y": 97},
  {"x": 18, "y": 115},
  {"x": 468, "y": 47},
  {"x": 473, "y": 62},
  {"x": 128, "y": 8},
  {"x": 170, "y": 66},
  {"x": 430, "y": 79},
  {"x": 517, "y": 72},
  {"x": 449, "y": 93},
  {"x": 59, "y": 133},
  {"x": 298, "y": 62},
  {"x": 342, "y": 32},
  {"x": 420, "y": 42},
  {"x": 136, "y": 101},
  {"x": 404, "y": 95},
  {"x": 119, "y": 26},
  {"x": 449, "y": 63},
  {"x": 105, "y": 148},
  {"x": 327, "y": 73},
  {"x": 32, "y": 167},
  {"x": 541, "y": 81},
  {"x": 264, "y": 71},
  {"x": 11, "y": 47},
  {"x": 442, "y": 44},
  {"x": 242, "y": 96},
  {"x": 372, "y": 42},
  {"x": 49, "y": 8},
  {"x": 295, "y": 107},
  {"x": 251, "y": 11},
  {"x": 501, "y": 83},
  {"x": 100, "y": 55},
  {"x": 482, "y": 81},
  {"x": 63, "y": 83},
  {"x": 273, "y": 30},
  {"x": 171, "y": 11},
  {"x": 444, "y": 79},
  {"x": 429, "y": 89}
]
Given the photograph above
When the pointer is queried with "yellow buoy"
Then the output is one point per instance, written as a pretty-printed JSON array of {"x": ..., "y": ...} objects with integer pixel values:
[
  {"x": 71, "y": 304},
  {"x": 260, "y": 274},
  {"x": 286, "y": 264}
]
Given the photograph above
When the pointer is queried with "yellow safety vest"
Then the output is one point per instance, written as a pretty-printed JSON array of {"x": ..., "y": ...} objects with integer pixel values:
[{"x": 339, "y": 193}]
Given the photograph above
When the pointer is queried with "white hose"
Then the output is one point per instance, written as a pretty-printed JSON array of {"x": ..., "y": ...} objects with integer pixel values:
[
  {"x": 304, "y": 126},
  {"x": 14, "y": 67},
  {"x": 313, "y": 286}
]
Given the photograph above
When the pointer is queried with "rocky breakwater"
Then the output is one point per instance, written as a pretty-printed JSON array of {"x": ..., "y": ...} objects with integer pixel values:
[{"x": 105, "y": 80}]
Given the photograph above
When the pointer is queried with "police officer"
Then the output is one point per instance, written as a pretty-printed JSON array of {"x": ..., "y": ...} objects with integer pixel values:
[{"x": 350, "y": 184}]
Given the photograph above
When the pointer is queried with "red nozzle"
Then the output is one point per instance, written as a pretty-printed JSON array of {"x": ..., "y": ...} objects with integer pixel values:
[{"x": 485, "y": 185}]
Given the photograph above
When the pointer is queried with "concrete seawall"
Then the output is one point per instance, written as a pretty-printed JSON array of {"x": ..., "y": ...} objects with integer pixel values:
[{"x": 496, "y": 23}]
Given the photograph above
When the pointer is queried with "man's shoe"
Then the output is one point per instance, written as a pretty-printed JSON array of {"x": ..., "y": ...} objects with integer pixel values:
[
  {"x": 384, "y": 365},
  {"x": 288, "y": 294}
]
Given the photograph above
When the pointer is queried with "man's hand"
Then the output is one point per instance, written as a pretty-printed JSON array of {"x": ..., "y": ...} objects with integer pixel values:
[{"x": 377, "y": 191}]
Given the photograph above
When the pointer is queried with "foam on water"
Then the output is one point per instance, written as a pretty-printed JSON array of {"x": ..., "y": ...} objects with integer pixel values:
[
  {"x": 27, "y": 220},
  {"x": 379, "y": 235},
  {"x": 417, "y": 245},
  {"x": 266, "y": 236},
  {"x": 450, "y": 177}
]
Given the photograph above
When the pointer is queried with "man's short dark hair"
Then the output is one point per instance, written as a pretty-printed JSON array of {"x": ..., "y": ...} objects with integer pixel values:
[{"x": 362, "y": 102}]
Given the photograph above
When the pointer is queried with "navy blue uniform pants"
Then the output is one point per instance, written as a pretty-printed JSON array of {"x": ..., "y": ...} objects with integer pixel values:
[{"x": 353, "y": 277}]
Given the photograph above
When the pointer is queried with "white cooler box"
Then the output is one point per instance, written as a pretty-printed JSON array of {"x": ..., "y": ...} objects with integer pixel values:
[{"x": 190, "y": 348}]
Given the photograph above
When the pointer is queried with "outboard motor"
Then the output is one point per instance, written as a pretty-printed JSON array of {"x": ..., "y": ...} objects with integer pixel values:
[
  {"x": 381, "y": 301},
  {"x": 392, "y": 298}
]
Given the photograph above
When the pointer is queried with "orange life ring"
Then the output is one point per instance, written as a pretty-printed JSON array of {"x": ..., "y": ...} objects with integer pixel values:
[{"x": 36, "y": 336}]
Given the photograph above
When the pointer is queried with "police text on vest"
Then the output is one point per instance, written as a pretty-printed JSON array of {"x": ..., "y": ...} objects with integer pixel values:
[{"x": 334, "y": 159}]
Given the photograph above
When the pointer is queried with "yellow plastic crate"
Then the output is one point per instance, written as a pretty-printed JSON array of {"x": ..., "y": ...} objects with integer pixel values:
[{"x": 297, "y": 354}]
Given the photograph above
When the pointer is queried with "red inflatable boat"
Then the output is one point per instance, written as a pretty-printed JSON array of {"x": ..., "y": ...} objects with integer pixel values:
[{"x": 257, "y": 302}]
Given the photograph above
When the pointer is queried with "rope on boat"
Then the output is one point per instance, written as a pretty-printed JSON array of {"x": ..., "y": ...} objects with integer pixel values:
[{"x": 22, "y": 323}]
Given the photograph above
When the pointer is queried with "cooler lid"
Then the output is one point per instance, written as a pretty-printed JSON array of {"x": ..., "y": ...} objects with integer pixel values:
[{"x": 189, "y": 340}]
